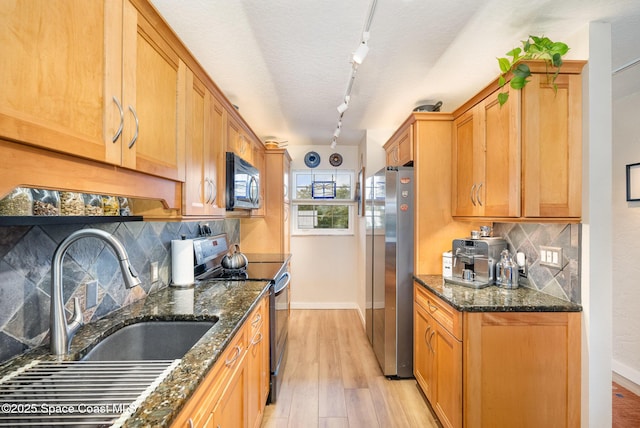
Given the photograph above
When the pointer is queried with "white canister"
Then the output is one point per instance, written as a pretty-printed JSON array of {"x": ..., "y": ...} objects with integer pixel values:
[{"x": 447, "y": 264}]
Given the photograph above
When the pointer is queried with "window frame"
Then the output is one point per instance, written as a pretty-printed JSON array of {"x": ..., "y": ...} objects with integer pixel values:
[{"x": 296, "y": 202}]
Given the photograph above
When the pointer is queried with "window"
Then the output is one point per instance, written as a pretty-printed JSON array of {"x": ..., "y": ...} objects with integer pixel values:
[{"x": 323, "y": 202}]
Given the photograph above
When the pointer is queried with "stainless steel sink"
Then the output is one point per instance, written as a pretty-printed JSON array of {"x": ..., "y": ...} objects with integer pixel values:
[{"x": 150, "y": 340}]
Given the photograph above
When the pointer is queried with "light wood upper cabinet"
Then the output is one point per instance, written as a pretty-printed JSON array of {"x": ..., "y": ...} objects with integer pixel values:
[
  {"x": 399, "y": 148},
  {"x": 552, "y": 147},
  {"x": 204, "y": 124},
  {"x": 238, "y": 140},
  {"x": 153, "y": 98},
  {"x": 61, "y": 62},
  {"x": 271, "y": 233},
  {"x": 524, "y": 159},
  {"x": 94, "y": 80},
  {"x": 486, "y": 159}
]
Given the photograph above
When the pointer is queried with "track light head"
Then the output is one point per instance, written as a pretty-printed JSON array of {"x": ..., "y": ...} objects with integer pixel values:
[
  {"x": 345, "y": 105},
  {"x": 360, "y": 53}
]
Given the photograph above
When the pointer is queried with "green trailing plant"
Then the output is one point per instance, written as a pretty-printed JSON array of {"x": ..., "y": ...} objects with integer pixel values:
[{"x": 533, "y": 48}]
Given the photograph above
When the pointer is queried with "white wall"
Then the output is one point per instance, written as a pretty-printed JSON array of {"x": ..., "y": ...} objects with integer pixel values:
[
  {"x": 324, "y": 269},
  {"x": 596, "y": 231},
  {"x": 626, "y": 238}
]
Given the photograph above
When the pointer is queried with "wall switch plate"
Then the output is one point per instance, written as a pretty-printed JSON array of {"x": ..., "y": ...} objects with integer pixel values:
[
  {"x": 551, "y": 257},
  {"x": 91, "y": 294},
  {"x": 154, "y": 272}
]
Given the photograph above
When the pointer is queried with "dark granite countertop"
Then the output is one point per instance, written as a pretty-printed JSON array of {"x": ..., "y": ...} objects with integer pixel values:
[
  {"x": 494, "y": 299},
  {"x": 229, "y": 301}
]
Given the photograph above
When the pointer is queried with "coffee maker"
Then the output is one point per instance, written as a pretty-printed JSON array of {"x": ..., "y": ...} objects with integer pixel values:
[{"x": 474, "y": 260}]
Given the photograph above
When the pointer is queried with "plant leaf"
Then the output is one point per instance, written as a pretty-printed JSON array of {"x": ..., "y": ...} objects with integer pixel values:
[
  {"x": 501, "y": 81},
  {"x": 514, "y": 53},
  {"x": 522, "y": 70},
  {"x": 505, "y": 65},
  {"x": 518, "y": 82},
  {"x": 503, "y": 97},
  {"x": 556, "y": 60}
]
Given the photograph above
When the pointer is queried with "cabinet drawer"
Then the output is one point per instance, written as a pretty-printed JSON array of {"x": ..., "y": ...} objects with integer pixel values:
[{"x": 442, "y": 312}]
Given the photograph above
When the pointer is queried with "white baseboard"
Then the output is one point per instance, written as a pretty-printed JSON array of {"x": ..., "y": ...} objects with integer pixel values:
[
  {"x": 625, "y": 371},
  {"x": 323, "y": 305}
]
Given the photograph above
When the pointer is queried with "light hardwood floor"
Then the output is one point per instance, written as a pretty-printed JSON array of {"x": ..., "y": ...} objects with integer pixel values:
[{"x": 332, "y": 379}]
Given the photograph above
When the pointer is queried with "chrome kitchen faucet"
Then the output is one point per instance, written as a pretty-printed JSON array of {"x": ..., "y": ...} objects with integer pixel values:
[{"x": 61, "y": 331}]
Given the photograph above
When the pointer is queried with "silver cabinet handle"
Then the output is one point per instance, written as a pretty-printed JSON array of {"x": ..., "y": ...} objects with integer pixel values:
[
  {"x": 473, "y": 201},
  {"x": 233, "y": 359},
  {"x": 257, "y": 320},
  {"x": 430, "y": 345},
  {"x": 135, "y": 136},
  {"x": 190, "y": 423},
  {"x": 214, "y": 191},
  {"x": 257, "y": 339},
  {"x": 121, "y": 127},
  {"x": 478, "y": 194},
  {"x": 432, "y": 308},
  {"x": 208, "y": 188}
]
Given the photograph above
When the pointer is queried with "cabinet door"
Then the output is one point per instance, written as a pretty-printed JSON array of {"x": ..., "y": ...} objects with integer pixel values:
[
  {"x": 552, "y": 145},
  {"x": 422, "y": 351},
  {"x": 447, "y": 402},
  {"x": 154, "y": 91},
  {"x": 197, "y": 189},
  {"x": 499, "y": 195},
  {"x": 258, "y": 366},
  {"x": 522, "y": 369},
  {"x": 60, "y": 70},
  {"x": 464, "y": 159},
  {"x": 231, "y": 409},
  {"x": 204, "y": 151},
  {"x": 237, "y": 140},
  {"x": 399, "y": 151},
  {"x": 217, "y": 156}
]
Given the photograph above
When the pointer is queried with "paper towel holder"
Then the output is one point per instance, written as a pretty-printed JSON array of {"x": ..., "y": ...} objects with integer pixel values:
[{"x": 188, "y": 260}]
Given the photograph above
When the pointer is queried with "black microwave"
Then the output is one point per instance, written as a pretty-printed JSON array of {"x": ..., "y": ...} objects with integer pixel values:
[{"x": 243, "y": 184}]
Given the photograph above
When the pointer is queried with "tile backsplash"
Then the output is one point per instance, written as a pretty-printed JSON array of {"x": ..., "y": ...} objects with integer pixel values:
[
  {"x": 528, "y": 237},
  {"x": 25, "y": 272}
]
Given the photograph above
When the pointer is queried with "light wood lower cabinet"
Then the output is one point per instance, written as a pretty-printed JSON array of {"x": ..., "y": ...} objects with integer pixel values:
[
  {"x": 497, "y": 369},
  {"x": 234, "y": 393}
]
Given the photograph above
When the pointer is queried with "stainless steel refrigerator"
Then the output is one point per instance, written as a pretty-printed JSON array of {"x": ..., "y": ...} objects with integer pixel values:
[{"x": 389, "y": 211}]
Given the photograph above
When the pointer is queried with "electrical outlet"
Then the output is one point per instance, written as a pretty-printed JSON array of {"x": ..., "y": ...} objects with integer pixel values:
[
  {"x": 551, "y": 257},
  {"x": 91, "y": 294},
  {"x": 154, "y": 272}
]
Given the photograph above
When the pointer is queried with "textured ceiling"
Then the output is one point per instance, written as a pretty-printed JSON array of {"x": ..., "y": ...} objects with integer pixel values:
[{"x": 286, "y": 63}]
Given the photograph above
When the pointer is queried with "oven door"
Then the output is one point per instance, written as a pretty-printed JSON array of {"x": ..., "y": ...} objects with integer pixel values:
[{"x": 280, "y": 313}]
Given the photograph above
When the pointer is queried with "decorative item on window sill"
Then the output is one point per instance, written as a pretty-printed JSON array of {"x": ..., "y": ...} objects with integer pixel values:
[
  {"x": 312, "y": 159},
  {"x": 335, "y": 159},
  {"x": 323, "y": 190},
  {"x": 633, "y": 182}
]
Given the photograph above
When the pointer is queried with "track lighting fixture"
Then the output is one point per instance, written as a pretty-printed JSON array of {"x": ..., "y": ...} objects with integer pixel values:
[
  {"x": 358, "y": 56},
  {"x": 345, "y": 104},
  {"x": 363, "y": 49}
]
